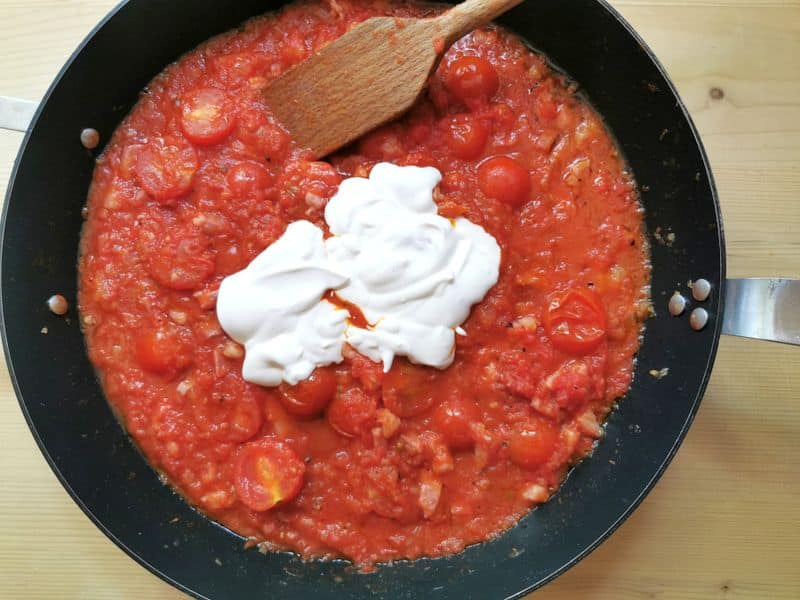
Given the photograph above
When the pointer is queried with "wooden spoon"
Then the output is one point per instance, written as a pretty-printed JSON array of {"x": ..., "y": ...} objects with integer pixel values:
[{"x": 370, "y": 75}]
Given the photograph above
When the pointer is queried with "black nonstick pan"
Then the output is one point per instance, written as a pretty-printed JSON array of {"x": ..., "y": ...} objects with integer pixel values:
[{"x": 105, "y": 474}]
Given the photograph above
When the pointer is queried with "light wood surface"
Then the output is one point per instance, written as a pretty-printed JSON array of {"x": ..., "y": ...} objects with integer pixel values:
[{"x": 723, "y": 520}]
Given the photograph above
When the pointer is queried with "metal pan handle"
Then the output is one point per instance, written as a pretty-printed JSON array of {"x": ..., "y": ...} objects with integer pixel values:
[{"x": 764, "y": 309}]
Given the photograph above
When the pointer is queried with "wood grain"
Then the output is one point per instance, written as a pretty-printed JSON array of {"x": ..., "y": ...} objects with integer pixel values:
[{"x": 722, "y": 522}]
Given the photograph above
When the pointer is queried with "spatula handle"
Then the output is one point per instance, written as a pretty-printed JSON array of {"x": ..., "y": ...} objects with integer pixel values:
[{"x": 464, "y": 17}]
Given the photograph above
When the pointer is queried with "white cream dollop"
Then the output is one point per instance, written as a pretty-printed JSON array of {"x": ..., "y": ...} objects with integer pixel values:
[
  {"x": 273, "y": 308},
  {"x": 413, "y": 274}
]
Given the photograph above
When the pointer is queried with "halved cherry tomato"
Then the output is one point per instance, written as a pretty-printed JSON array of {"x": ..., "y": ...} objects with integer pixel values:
[
  {"x": 309, "y": 398},
  {"x": 407, "y": 389},
  {"x": 533, "y": 443},
  {"x": 266, "y": 473},
  {"x": 165, "y": 168},
  {"x": 454, "y": 418},
  {"x": 352, "y": 412},
  {"x": 504, "y": 179},
  {"x": 466, "y": 136},
  {"x": 183, "y": 259},
  {"x": 471, "y": 77},
  {"x": 575, "y": 322},
  {"x": 248, "y": 179},
  {"x": 163, "y": 349},
  {"x": 206, "y": 116}
]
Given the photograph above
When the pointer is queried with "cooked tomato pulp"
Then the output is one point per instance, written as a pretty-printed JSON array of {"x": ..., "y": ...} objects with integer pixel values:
[{"x": 199, "y": 179}]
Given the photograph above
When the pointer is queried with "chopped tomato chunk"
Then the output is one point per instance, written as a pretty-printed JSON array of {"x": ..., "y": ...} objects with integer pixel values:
[
  {"x": 466, "y": 136},
  {"x": 576, "y": 322},
  {"x": 165, "y": 168},
  {"x": 183, "y": 259},
  {"x": 407, "y": 389},
  {"x": 163, "y": 349}
]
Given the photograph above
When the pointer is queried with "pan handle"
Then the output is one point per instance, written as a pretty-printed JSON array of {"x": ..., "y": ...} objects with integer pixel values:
[
  {"x": 16, "y": 113},
  {"x": 764, "y": 309}
]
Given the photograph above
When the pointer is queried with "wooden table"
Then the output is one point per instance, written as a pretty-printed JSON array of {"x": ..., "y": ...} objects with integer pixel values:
[{"x": 723, "y": 520}]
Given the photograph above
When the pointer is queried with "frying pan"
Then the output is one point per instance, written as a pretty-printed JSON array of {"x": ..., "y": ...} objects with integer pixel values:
[{"x": 108, "y": 478}]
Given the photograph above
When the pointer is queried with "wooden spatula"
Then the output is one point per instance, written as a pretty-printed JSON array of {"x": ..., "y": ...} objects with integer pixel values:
[{"x": 370, "y": 75}]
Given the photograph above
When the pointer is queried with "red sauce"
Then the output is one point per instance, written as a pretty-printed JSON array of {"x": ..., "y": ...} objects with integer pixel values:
[
  {"x": 355, "y": 316},
  {"x": 353, "y": 462}
]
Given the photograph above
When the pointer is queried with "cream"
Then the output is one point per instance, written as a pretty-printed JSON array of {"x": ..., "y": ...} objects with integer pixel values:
[
  {"x": 413, "y": 274},
  {"x": 274, "y": 308}
]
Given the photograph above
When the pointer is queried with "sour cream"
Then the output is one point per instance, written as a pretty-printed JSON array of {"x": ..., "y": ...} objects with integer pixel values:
[
  {"x": 273, "y": 308},
  {"x": 413, "y": 274}
]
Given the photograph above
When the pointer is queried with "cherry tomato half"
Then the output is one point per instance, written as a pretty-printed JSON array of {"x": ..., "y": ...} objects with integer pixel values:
[
  {"x": 407, "y": 389},
  {"x": 575, "y": 322},
  {"x": 309, "y": 398},
  {"x": 352, "y": 412},
  {"x": 453, "y": 418},
  {"x": 466, "y": 136},
  {"x": 266, "y": 473},
  {"x": 165, "y": 168},
  {"x": 504, "y": 179},
  {"x": 206, "y": 116},
  {"x": 533, "y": 443},
  {"x": 472, "y": 77}
]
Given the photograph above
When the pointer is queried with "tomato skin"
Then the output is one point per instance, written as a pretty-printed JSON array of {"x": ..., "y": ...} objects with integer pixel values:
[
  {"x": 206, "y": 116},
  {"x": 533, "y": 443},
  {"x": 165, "y": 168},
  {"x": 472, "y": 77},
  {"x": 453, "y": 418},
  {"x": 575, "y": 322},
  {"x": 352, "y": 412},
  {"x": 309, "y": 398},
  {"x": 466, "y": 136},
  {"x": 407, "y": 389},
  {"x": 266, "y": 473},
  {"x": 163, "y": 350},
  {"x": 504, "y": 179}
]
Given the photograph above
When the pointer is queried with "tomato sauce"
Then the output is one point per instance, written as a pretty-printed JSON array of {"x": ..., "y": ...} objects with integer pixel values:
[{"x": 199, "y": 179}]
